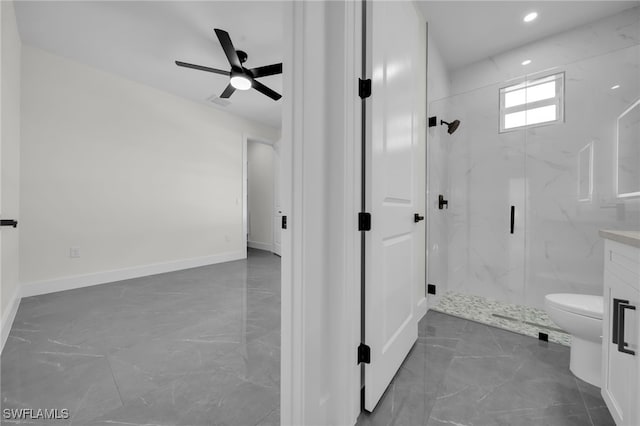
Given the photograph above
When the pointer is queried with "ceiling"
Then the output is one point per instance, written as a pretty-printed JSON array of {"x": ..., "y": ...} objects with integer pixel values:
[
  {"x": 468, "y": 31},
  {"x": 140, "y": 40}
]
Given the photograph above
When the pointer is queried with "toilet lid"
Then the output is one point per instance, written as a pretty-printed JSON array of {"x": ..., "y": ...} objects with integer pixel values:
[{"x": 581, "y": 304}]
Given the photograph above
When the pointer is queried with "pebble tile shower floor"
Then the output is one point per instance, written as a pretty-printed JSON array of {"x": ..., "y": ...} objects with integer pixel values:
[{"x": 517, "y": 318}]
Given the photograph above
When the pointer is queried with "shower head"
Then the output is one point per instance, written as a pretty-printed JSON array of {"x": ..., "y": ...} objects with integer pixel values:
[{"x": 452, "y": 127}]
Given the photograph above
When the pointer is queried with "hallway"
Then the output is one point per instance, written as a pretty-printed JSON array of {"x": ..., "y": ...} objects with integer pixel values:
[{"x": 180, "y": 348}]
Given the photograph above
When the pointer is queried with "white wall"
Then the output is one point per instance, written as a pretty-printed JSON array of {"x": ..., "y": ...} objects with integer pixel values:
[
  {"x": 438, "y": 78},
  {"x": 260, "y": 195},
  {"x": 10, "y": 157},
  {"x": 130, "y": 175}
]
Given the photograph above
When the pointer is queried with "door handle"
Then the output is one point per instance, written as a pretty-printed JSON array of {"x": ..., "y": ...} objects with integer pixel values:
[
  {"x": 417, "y": 218},
  {"x": 616, "y": 317},
  {"x": 621, "y": 342},
  {"x": 513, "y": 218},
  {"x": 9, "y": 222}
]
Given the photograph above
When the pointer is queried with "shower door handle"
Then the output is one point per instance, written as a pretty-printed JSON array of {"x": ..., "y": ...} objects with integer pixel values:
[
  {"x": 621, "y": 342},
  {"x": 513, "y": 218}
]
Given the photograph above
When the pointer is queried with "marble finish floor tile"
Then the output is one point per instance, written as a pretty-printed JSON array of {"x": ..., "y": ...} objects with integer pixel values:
[
  {"x": 465, "y": 373},
  {"x": 195, "y": 347}
]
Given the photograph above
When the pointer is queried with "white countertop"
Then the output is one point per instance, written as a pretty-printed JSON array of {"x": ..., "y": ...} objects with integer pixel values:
[{"x": 631, "y": 238}]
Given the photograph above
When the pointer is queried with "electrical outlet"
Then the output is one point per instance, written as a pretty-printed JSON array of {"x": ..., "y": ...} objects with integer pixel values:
[{"x": 74, "y": 252}]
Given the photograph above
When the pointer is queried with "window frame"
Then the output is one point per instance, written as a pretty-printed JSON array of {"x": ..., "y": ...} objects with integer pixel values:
[{"x": 557, "y": 100}]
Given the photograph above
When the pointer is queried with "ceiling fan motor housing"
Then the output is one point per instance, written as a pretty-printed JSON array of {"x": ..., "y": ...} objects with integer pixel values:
[{"x": 242, "y": 55}]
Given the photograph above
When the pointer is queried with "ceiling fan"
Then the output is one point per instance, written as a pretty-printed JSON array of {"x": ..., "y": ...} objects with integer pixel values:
[{"x": 241, "y": 78}]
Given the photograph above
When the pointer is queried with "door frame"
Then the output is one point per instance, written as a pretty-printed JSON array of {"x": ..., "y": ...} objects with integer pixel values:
[
  {"x": 320, "y": 189},
  {"x": 277, "y": 203},
  {"x": 246, "y": 137}
]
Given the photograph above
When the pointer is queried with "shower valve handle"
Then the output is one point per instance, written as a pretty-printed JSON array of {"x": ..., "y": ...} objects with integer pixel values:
[{"x": 442, "y": 202}]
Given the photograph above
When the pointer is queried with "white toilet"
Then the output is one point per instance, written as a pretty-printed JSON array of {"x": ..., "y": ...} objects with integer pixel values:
[{"x": 580, "y": 315}]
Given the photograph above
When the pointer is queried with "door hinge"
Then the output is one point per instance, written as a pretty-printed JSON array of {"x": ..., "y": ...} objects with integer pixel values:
[
  {"x": 364, "y": 88},
  {"x": 364, "y": 354},
  {"x": 284, "y": 222},
  {"x": 364, "y": 221}
]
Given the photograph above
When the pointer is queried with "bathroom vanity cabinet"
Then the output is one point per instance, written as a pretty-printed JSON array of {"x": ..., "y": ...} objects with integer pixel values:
[{"x": 621, "y": 326}]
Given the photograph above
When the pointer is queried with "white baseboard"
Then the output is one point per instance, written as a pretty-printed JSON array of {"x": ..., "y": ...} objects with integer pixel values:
[
  {"x": 8, "y": 316},
  {"x": 68, "y": 283},
  {"x": 260, "y": 246},
  {"x": 421, "y": 308}
]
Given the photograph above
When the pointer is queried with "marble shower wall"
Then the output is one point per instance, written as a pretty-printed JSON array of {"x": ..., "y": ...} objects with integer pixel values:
[
  {"x": 563, "y": 250},
  {"x": 555, "y": 246}
]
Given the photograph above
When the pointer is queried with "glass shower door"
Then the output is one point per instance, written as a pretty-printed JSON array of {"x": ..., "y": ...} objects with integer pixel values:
[{"x": 483, "y": 182}]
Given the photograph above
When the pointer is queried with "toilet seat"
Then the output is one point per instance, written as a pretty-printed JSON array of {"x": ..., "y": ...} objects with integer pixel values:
[{"x": 580, "y": 304}]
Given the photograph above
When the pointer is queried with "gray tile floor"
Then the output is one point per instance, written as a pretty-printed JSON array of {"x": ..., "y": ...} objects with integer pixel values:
[
  {"x": 202, "y": 347},
  {"x": 195, "y": 347},
  {"x": 463, "y": 373}
]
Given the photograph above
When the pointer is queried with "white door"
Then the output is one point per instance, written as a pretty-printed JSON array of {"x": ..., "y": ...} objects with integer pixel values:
[
  {"x": 277, "y": 205},
  {"x": 394, "y": 251}
]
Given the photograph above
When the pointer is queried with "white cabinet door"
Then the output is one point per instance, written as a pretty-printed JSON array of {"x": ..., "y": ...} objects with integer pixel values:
[
  {"x": 621, "y": 378},
  {"x": 394, "y": 251},
  {"x": 621, "y": 372}
]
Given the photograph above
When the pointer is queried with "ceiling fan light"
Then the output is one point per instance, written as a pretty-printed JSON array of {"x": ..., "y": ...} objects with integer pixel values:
[{"x": 241, "y": 82}]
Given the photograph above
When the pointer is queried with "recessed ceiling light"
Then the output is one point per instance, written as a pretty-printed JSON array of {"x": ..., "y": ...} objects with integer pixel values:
[
  {"x": 615, "y": 87},
  {"x": 530, "y": 17},
  {"x": 526, "y": 62}
]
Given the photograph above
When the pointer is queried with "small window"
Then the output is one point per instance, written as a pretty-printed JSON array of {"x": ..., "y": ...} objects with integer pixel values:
[{"x": 532, "y": 103}]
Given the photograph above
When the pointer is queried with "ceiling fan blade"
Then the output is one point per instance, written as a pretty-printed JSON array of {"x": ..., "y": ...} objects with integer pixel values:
[
  {"x": 228, "y": 48},
  {"x": 201, "y": 68},
  {"x": 266, "y": 70},
  {"x": 266, "y": 91},
  {"x": 228, "y": 91}
]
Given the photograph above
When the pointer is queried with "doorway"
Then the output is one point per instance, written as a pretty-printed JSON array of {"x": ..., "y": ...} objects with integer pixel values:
[{"x": 263, "y": 205}]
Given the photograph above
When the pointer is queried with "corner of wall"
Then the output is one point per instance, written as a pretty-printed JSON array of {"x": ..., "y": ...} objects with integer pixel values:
[
  {"x": 10, "y": 144},
  {"x": 8, "y": 315}
]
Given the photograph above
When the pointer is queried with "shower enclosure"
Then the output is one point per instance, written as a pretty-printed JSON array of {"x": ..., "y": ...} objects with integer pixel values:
[{"x": 525, "y": 202}]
